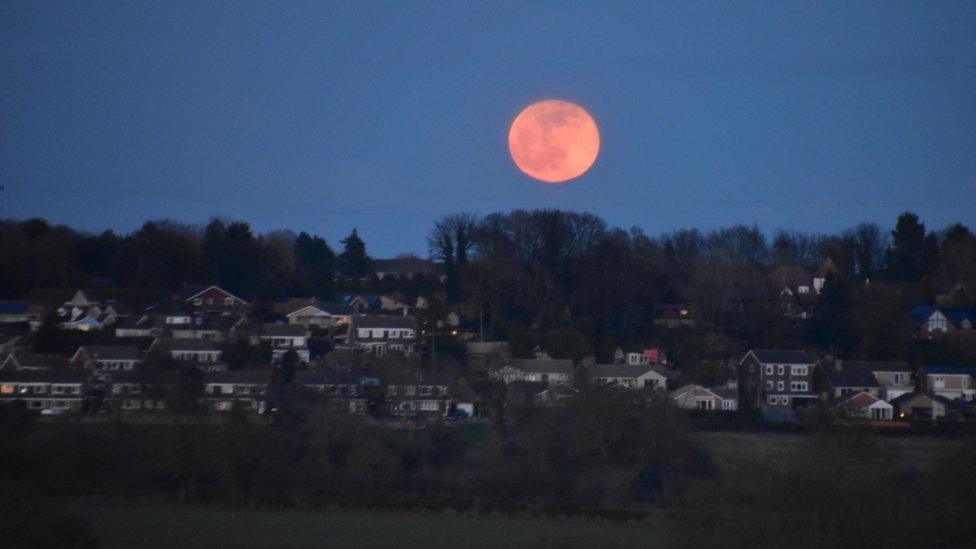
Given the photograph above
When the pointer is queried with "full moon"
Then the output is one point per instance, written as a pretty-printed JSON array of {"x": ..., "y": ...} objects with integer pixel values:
[{"x": 554, "y": 141}]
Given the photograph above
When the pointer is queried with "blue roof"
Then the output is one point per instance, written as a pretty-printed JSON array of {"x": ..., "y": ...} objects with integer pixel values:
[
  {"x": 13, "y": 307},
  {"x": 959, "y": 370},
  {"x": 921, "y": 313}
]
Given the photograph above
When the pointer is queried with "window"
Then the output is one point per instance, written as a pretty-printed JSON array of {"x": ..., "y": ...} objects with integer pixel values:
[
  {"x": 798, "y": 370},
  {"x": 937, "y": 323},
  {"x": 391, "y": 390},
  {"x": 769, "y": 370},
  {"x": 798, "y": 386},
  {"x": 898, "y": 380},
  {"x": 228, "y": 301},
  {"x": 728, "y": 404},
  {"x": 938, "y": 382},
  {"x": 209, "y": 301},
  {"x": 773, "y": 400},
  {"x": 40, "y": 389},
  {"x": 769, "y": 385},
  {"x": 429, "y": 405},
  {"x": 7, "y": 389},
  {"x": 781, "y": 369},
  {"x": 198, "y": 301},
  {"x": 752, "y": 368},
  {"x": 804, "y": 289},
  {"x": 779, "y": 385},
  {"x": 704, "y": 404}
]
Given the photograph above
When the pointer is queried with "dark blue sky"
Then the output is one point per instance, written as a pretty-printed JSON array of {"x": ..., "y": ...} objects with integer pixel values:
[{"x": 386, "y": 115}]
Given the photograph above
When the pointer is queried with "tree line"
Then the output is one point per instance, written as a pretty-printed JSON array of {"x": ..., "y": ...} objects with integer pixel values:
[{"x": 556, "y": 279}]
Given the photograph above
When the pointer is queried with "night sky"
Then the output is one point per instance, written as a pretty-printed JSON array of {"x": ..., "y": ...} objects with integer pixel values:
[{"x": 386, "y": 115}]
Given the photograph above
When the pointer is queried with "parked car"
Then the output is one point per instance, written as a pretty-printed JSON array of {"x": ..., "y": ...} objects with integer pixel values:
[
  {"x": 456, "y": 415},
  {"x": 53, "y": 411}
]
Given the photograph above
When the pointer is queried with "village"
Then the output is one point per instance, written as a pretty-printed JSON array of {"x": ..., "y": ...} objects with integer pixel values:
[{"x": 205, "y": 350}]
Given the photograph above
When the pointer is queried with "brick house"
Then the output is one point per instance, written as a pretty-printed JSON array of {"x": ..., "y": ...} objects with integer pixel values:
[{"x": 777, "y": 380}]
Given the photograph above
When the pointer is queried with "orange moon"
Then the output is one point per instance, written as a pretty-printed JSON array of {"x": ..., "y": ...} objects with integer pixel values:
[{"x": 554, "y": 141}]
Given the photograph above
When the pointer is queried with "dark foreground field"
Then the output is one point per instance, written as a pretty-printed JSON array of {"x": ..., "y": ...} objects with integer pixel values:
[
  {"x": 738, "y": 457},
  {"x": 163, "y": 526}
]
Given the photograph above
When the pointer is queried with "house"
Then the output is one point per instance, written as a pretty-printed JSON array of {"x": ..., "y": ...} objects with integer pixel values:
[
  {"x": 894, "y": 377},
  {"x": 343, "y": 389},
  {"x": 18, "y": 312},
  {"x": 23, "y": 360},
  {"x": 219, "y": 328},
  {"x": 940, "y": 321},
  {"x": 864, "y": 405},
  {"x": 417, "y": 393},
  {"x": 836, "y": 379},
  {"x": 630, "y": 376},
  {"x": 487, "y": 355},
  {"x": 827, "y": 269},
  {"x": 950, "y": 382},
  {"x": 140, "y": 390},
  {"x": 647, "y": 356},
  {"x": 777, "y": 379},
  {"x": 7, "y": 344},
  {"x": 106, "y": 357},
  {"x": 793, "y": 288},
  {"x": 674, "y": 315},
  {"x": 282, "y": 338},
  {"x": 920, "y": 406},
  {"x": 38, "y": 389},
  {"x": 379, "y": 334},
  {"x": 552, "y": 371},
  {"x": 201, "y": 352},
  {"x": 324, "y": 315},
  {"x": 241, "y": 389},
  {"x": 362, "y": 303},
  {"x": 699, "y": 397},
  {"x": 82, "y": 310},
  {"x": 203, "y": 298},
  {"x": 405, "y": 268},
  {"x": 141, "y": 325}
]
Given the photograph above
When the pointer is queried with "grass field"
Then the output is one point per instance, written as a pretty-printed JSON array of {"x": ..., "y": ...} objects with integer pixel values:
[
  {"x": 150, "y": 526},
  {"x": 734, "y": 453}
]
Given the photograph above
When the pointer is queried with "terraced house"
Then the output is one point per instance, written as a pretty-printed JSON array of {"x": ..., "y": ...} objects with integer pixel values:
[{"x": 49, "y": 389}]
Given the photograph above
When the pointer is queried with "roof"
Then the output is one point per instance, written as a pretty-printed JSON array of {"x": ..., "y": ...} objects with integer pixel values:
[
  {"x": 371, "y": 300},
  {"x": 544, "y": 366},
  {"x": 827, "y": 267},
  {"x": 766, "y": 356},
  {"x": 951, "y": 370},
  {"x": 337, "y": 309},
  {"x": 238, "y": 376},
  {"x": 790, "y": 277},
  {"x": 907, "y": 397},
  {"x": 190, "y": 291},
  {"x": 142, "y": 322},
  {"x": 13, "y": 307},
  {"x": 277, "y": 330},
  {"x": 622, "y": 370},
  {"x": 112, "y": 352},
  {"x": 328, "y": 377},
  {"x": 52, "y": 296},
  {"x": 958, "y": 315},
  {"x": 859, "y": 399},
  {"x": 40, "y": 360},
  {"x": 384, "y": 321},
  {"x": 41, "y": 376},
  {"x": 406, "y": 265},
  {"x": 850, "y": 374},
  {"x": 186, "y": 344},
  {"x": 144, "y": 376}
]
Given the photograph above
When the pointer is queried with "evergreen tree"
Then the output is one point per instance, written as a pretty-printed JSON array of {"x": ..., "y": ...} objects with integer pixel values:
[
  {"x": 353, "y": 261},
  {"x": 907, "y": 256},
  {"x": 316, "y": 264}
]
